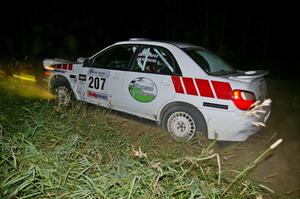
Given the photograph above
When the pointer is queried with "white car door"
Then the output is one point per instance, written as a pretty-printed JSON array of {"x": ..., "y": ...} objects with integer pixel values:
[
  {"x": 97, "y": 86},
  {"x": 106, "y": 74},
  {"x": 148, "y": 86}
]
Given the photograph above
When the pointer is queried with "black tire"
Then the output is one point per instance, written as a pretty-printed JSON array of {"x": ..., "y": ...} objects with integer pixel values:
[
  {"x": 63, "y": 95},
  {"x": 183, "y": 122}
]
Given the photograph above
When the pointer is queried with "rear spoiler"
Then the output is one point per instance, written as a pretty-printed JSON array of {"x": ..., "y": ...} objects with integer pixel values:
[{"x": 249, "y": 76}]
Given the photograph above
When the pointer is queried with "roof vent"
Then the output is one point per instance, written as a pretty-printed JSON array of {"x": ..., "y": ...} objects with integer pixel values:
[{"x": 139, "y": 39}]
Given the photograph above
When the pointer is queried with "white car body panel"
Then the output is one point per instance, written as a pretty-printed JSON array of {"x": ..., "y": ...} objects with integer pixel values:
[
  {"x": 164, "y": 93},
  {"x": 224, "y": 122}
]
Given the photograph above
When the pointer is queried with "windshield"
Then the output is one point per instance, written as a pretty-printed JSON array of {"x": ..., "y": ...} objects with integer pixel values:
[{"x": 209, "y": 62}]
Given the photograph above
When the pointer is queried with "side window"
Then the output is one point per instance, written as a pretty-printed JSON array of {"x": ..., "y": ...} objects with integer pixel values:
[
  {"x": 153, "y": 60},
  {"x": 117, "y": 57}
]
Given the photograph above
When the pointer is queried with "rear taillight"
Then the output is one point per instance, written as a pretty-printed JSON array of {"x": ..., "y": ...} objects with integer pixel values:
[{"x": 243, "y": 99}]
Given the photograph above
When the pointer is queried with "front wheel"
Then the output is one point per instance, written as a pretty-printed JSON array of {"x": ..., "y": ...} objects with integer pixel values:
[
  {"x": 183, "y": 122},
  {"x": 63, "y": 96}
]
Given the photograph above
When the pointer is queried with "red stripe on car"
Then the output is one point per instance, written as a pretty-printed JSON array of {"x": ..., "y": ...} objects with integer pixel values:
[
  {"x": 189, "y": 86},
  {"x": 70, "y": 66},
  {"x": 222, "y": 89},
  {"x": 65, "y": 66},
  {"x": 58, "y": 66},
  {"x": 204, "y": 88},
  {"x": 177, "y": 84}
]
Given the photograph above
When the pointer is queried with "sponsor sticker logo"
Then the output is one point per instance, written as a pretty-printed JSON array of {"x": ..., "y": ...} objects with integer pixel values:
[
  {"x": 97, "y": 72},
  {"x": 143, "y": 89},
  {"x": 73, "y": 78},
  {"x": 82, "y": 77},
  {"x": 97, "y": 95}
]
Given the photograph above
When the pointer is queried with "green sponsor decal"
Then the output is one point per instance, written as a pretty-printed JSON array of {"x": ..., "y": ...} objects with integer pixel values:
[{"x": 142, "y": 89}]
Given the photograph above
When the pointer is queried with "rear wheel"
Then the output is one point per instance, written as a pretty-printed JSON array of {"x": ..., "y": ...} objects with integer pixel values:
[{"x": 183, "y": 122}]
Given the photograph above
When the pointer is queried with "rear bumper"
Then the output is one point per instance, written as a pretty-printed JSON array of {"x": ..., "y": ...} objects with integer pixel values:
[{"x": 234, "y": 126}]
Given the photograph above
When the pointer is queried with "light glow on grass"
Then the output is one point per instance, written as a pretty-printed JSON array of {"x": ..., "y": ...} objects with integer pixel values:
[
  {"x": 25, "y": 77},
  {"x": 18, "y": 87}
]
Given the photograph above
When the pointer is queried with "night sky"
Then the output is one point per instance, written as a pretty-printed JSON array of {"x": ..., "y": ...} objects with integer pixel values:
[{"x": 247, "y": 33}]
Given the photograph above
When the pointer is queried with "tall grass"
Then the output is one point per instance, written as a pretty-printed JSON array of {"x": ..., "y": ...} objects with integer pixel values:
[{"x": 54, "y": 153}]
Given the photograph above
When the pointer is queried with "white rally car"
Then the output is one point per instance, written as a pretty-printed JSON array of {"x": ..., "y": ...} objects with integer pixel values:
[{"x": 185, "y": 88}]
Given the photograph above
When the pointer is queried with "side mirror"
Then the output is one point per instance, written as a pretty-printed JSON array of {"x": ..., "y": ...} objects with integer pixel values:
[{"x": 81, "y": 60}]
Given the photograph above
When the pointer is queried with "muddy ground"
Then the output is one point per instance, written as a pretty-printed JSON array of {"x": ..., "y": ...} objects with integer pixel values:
[{"x": 280, "y": 170}]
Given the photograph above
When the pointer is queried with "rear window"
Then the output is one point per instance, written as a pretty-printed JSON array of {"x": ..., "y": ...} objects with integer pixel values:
[{"x": 209, "y": 62}]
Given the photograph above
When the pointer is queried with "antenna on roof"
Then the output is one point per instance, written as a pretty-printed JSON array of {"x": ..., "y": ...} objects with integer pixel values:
[{"x": 139, "y": 39}]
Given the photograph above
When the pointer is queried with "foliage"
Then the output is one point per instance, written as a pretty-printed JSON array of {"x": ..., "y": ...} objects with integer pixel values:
[{"x": 48, "y": 152}]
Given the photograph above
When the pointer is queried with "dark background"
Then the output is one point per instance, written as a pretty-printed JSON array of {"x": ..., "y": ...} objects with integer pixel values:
[{"x": 249, "y": 34}]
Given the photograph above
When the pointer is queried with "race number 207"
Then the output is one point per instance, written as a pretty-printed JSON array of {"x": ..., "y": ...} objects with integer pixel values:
[{"x": 96, "y": 82}]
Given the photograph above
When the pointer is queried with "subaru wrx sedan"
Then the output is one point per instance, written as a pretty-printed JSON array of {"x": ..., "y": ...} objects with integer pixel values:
[{"x": 185, "y": 88}]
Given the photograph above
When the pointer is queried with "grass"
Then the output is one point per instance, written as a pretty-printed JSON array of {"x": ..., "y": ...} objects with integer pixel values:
[{"x": 47, "y": 152}]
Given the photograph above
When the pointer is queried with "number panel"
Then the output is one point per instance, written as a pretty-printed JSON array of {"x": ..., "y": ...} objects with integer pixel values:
[{"x": 96, "y": 83}]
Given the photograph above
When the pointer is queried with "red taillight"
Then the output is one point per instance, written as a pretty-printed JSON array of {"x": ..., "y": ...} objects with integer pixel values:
[{"x": 243, "y": 99}]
